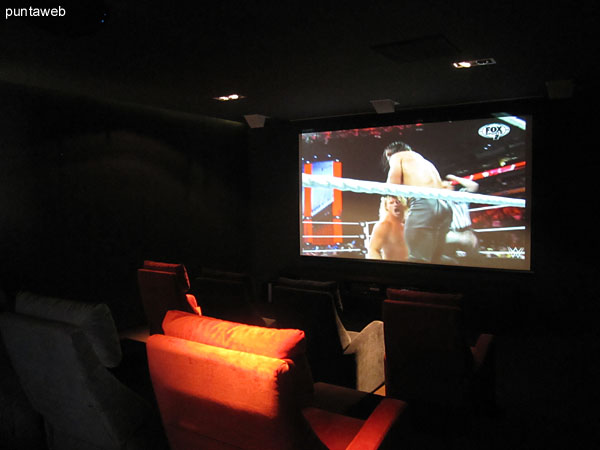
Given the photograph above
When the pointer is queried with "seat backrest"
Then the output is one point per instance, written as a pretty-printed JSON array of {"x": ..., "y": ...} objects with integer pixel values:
[
  {"x": 178, "y": 269},
  {"x": 242, "y": 277},
  {"x": 435, "y": 298},
  {"x": 286, "y": 344},
  {"x": 94, "y": 319},
  {"x": 313, "y": 285},
  {"x": 214, "y": 391},
  {"x": 162, "y": 287},
  {"x": 314, "y": 312},
  {"x": 227, "y": 299},
  {"x": 427, "y": 358},
  {"x": 83, "y": 404}
]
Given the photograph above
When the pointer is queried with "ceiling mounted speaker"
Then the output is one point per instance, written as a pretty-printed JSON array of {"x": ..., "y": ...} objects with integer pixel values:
[
  {"x": 255, "y": 120},
  {"x": 384, "y": 106}
]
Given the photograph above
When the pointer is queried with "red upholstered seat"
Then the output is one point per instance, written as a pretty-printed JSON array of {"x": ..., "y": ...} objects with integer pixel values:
[
  {"x": 276, "y": 343},
  {"x": 284, "y": 344},
  {"x": 224, "y": 385}
]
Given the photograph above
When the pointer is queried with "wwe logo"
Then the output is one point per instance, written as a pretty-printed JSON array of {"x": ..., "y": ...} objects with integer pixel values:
[{"x": 518, "y": 253}]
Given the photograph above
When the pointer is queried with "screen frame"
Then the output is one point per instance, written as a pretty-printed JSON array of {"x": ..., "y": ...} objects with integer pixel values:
[{"x": 530, "y": 107}]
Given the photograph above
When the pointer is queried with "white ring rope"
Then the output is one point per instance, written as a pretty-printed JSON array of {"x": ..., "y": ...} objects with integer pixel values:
[
  {"x": 402, "y": 190},
  {"x": 331, "y": 223},
  {"x": 335, "y": 250},
  {"x": 358, "y": 224},
  {"x": 492, "y": 230},
  {"x": 331, "y": 236},
  {"x": 484, "y": 208}
]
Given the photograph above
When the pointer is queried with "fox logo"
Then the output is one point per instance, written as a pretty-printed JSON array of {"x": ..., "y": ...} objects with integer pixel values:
[{"x": 494, "y": 131}]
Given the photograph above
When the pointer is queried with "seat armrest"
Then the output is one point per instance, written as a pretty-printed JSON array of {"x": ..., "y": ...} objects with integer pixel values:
[
  {"x": 353, "y": 335},
  {"x": 370, "y": 334},
  {"x": 379, "y": 425},
  {"x": 481, "y": 349},
  {"x": 344, "y": 400},
  {"x": 191, "y": 299},
  {"x": 269, "y": 322},
  {"x": 368, "y": 348}
]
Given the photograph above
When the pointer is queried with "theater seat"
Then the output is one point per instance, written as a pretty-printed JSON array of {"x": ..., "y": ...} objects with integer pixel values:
[
  {"x": 164, "y": 286},
  {"x": 61, "y": 351},
  {"x": 434, "y": 298},
  {"x": 336, "y": 355},
  {"x": 225, "y": 385},
  {"x": 21, "y": 427},
  {"x": 428, "y": 360},
  {"x": 228, "y": 296}
]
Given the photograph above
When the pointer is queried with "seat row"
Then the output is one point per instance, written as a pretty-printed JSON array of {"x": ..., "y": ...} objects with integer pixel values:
[
  {"x": 422, "y": 353},
  {"x": 297, "y": 380},
  {"x": 217, "y": 385}
]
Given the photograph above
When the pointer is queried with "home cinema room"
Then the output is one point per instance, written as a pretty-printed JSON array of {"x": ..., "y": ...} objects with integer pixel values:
[{"x": 298, "y": 225}]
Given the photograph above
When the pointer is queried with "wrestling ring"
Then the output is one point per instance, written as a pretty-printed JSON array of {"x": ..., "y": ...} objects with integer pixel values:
[{"x": 373, "y": 187}]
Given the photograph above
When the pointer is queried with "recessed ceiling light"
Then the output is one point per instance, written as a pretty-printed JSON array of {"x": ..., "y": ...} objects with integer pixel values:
[
  {"x": 462, "y": 65},
  {"x": 226, "y": 98},
  {"x": 474, "y": 63}
]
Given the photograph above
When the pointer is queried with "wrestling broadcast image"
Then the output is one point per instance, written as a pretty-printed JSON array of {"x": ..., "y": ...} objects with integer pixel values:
[{"x": 450, "y": 193}]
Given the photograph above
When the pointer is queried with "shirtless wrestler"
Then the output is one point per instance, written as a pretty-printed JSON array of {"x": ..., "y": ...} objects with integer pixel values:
[
  {"x": 387, "y": 240},
  {"x": 428, "y": 220}
]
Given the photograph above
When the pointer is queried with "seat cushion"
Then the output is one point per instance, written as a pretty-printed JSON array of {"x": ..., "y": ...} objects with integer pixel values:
[
  {"x": 276, "y": 343},
  {"x": 95, "y": 320},
  {"x": 286, "y": 344}
]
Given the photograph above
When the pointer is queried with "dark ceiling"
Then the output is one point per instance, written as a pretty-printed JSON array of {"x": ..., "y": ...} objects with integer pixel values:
[{"x": 295, "y": 60}]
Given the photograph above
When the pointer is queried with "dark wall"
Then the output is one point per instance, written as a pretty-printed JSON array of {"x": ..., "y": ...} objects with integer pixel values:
[
  {"x": 559, "y": 295},
  {"x": 90, "y": 189}
]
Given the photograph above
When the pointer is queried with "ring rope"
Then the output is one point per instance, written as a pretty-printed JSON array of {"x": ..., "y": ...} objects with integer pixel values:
[
  {"x": 492, "y": 230},
  {"x": 336, "y": 250},
  {"x": 314, "y": 222},
  {"x": 402, "y": 190},
  {"x": 330, "y": 236},
  {"x": 484, "y": 208},
  {"x": 358, "y": 224}
]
